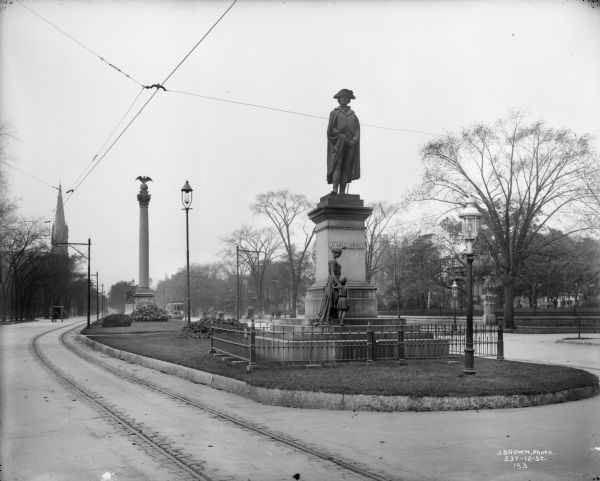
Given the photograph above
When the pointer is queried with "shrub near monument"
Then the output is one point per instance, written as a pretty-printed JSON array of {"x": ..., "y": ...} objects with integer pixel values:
[
  {"x": 201, "y": 328},
  {"x": 116, "y": 320},
  {"x": 149, "y": 313}
]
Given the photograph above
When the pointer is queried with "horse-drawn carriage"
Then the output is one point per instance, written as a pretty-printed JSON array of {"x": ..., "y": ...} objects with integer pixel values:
[{"x": 56, "y": 313}]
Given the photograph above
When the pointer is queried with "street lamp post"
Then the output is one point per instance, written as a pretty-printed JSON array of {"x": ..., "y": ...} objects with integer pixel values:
[
  {"x": 454, "y": 298},
  {"x": 186, "y": 200},
  {"x": 470, "y": 217},
  {"x": 578, "y": 311},
  {"x": 237, "y": 276}
]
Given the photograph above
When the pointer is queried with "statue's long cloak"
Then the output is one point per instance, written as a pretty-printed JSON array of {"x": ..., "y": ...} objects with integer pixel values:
[{"x": 336, "y": 143}]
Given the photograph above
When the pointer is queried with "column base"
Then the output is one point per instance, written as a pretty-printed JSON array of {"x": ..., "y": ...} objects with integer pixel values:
[{"x": 143, "y": 296}]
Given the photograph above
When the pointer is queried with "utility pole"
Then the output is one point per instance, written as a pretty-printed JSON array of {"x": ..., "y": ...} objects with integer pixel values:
[
  {"x": 237, "y": 264},
  {"x": 97, "y": 299},
  {"x": 237, "y": 270},
  {"x": 89, "y": 281},
  {"x": 89, "y": 259}
]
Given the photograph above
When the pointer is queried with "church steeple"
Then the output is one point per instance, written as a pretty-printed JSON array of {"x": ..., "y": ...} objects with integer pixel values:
[{"x": 60, "y": 230}]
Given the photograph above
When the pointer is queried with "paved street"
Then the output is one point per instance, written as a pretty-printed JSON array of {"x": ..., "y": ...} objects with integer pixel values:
[{"x": 50, "y": 432}]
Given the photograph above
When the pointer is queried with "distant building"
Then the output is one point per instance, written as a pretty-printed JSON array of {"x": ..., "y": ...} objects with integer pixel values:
[{"x": 60, "y": 230}]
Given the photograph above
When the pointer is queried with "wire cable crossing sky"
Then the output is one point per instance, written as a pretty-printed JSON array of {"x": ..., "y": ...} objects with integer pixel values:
[
  {"x": 79, "y": 43},
  {"x": 100, "y": 156},
  {"x": 247, "y": 113}
]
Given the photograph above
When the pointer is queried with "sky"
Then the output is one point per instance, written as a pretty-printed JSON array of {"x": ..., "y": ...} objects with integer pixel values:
[{"x": 245, "y": 112}]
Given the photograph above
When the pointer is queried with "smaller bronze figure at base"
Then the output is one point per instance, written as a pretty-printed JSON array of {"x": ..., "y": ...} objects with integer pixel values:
[
  {"x": 328, "y": 308},
  {"x": 342, "y": 302}
]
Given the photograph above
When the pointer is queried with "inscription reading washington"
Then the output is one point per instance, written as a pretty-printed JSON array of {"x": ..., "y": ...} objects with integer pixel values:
[{"x": 346, "y": 245}]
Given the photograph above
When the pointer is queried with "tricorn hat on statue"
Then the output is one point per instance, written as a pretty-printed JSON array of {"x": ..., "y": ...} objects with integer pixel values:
[{"x": 344, "y": 93}]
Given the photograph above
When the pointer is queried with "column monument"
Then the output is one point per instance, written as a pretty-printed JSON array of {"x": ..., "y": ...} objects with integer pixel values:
[
  {"x": 143, "y": 293},
  {"x": 340, "y": 224}
]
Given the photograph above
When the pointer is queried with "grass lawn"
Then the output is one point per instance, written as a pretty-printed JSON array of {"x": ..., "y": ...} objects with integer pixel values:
[{"x": 415, "y": 378}]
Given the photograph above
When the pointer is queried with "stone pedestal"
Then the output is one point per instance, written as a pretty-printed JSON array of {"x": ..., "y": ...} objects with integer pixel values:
[{"x": 340, "y": 222}]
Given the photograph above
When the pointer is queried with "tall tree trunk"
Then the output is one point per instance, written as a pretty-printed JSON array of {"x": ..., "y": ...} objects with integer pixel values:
[
  {"x": 509, "y": 289},
  {"x": 295, "y": 285}
]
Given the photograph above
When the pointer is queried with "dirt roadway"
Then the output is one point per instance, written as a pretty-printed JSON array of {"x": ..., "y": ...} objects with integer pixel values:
[{"x": 78, "y": 443}]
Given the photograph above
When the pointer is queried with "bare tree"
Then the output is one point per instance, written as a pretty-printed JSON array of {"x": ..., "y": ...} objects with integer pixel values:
[
  {"x": 23, "y": 244},
  {"x": 592, "y": 212},
  {"x": 287, "y": 213},
  {"x": 7, "y": 208},
  {"x": 253, "y": 250},
  {"x": 522, "y": 175},
  {"x": 380, "y": 232}
]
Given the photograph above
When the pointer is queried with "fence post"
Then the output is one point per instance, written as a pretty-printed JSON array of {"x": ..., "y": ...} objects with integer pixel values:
[
  {"x": 401, "y": 359},
  {"x": 370, "y": 343},
  {"x": 212, "y": 347},
  {"x": 252, "y": 345},
  {"x": 500, "y": 348}
]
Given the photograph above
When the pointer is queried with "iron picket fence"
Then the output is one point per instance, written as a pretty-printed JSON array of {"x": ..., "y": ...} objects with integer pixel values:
[{"x": 319, "y": 344}]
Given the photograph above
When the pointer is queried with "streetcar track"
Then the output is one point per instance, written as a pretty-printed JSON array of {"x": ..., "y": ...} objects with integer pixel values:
[
  {"x": 263, "y": 431},
  {"x": 151, "y": 443}
]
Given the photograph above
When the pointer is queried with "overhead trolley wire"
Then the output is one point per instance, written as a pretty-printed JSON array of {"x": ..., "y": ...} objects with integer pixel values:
[
  {"x": 293, "y": 112},
  {"x": 8, "y": 164},
  {"x": 109, "y": 137},
  {"x": 247, "y": 104},
  {"x": 75, "y": 184},
  {"x": 79, "y": 43},
  {"x": 99, "y": 157},
  {"x": 195, "y": 46}
]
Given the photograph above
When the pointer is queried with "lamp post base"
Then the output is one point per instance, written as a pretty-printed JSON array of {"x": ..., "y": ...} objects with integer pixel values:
[{"x": 469, "y": 361}]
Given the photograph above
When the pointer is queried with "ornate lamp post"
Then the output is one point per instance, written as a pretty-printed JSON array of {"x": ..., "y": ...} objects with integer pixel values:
[
  {"x": 470, "y": 217},
  {"x": 186, "y": 200}
]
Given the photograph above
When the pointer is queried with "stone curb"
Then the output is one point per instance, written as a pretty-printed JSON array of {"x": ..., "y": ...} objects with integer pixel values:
[{"x": 351, "y": 402}]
